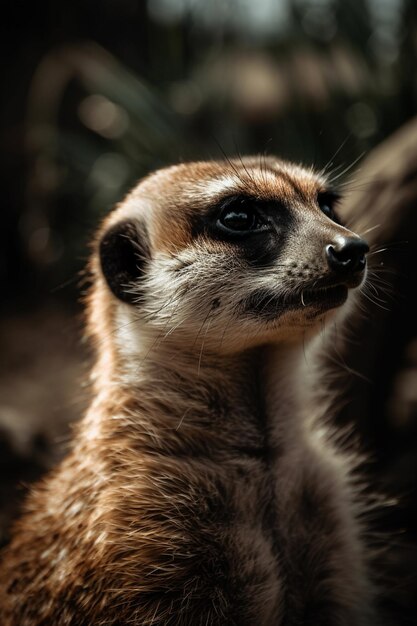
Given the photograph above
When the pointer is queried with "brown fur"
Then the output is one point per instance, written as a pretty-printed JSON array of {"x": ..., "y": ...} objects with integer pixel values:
[{"x": 197, "y": 492}]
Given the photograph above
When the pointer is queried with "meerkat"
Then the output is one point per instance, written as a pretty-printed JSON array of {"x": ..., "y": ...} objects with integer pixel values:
[{"x": 198, "y": 489}]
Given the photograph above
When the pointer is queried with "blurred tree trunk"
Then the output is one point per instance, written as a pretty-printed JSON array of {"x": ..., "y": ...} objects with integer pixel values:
[{"x": 378, "y": 354}]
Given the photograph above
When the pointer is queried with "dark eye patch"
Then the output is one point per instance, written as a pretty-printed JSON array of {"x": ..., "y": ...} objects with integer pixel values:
[
  {"x": 327, "y": 201},
  {"x": 257, "y": 228},
  {"x": 241, "y": 215}
]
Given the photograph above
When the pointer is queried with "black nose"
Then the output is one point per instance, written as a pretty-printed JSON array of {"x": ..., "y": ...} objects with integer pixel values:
[{"x": 347, "y": 255}]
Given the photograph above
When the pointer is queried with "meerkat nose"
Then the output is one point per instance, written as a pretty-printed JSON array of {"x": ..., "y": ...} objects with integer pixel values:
[{"x": 347, "y": 255}]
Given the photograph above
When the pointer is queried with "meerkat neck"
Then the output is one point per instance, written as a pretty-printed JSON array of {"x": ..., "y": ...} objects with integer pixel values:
[{"x": 239, "y": 402}]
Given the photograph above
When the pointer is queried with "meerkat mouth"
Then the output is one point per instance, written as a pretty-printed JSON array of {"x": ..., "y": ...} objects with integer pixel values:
[
  {"x": 267, "y": 304},
  {"x": 324, "y": 297}
]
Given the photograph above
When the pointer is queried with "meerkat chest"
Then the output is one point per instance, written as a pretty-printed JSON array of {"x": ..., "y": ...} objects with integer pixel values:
[{"x": 289, "y": 554}]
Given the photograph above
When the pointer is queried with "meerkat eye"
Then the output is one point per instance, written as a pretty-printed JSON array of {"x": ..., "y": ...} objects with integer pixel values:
[
  {"x": 326, "y": 202},
  {"x": 239, "y": 217},
  {"x": 239, "y": 220}
]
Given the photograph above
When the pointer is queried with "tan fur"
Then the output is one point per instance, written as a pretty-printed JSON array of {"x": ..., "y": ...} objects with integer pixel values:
[{"x": 197, "y": 491}]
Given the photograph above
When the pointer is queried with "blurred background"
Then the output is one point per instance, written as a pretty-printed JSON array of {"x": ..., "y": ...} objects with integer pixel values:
[{"x": 96, "y": 93}]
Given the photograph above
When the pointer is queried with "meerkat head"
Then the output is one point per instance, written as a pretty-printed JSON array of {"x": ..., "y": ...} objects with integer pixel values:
[{"x": 230, "y": 254}]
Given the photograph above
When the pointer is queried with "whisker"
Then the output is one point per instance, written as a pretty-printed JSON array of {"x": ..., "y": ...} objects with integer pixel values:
[
  {"x": 202, "y": 346},
  {"x": 342, "y": 363},
  {"x": 349, "y": 167},
  {"x": 368, "y": 230},
  {"x": 225, "y": 330},
  {"x": 375, "y": 293},
  {"x": 201, "y": 327},
  {"x": 368, "y": 297},
  {"x": 330, "y": 161}
]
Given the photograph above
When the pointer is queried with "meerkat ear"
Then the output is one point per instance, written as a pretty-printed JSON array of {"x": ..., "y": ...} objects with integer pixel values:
[{"x": 124, "y": 252}]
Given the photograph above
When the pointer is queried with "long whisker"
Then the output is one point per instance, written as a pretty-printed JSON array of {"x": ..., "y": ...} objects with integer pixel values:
[
  {"x": 349, "y": 167},
  {"x": 330, "y": 161},
  {"x": 202, "y": 346},
  {"x": 368, "y": 297},
  {"x": 368, "y": 230}
]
